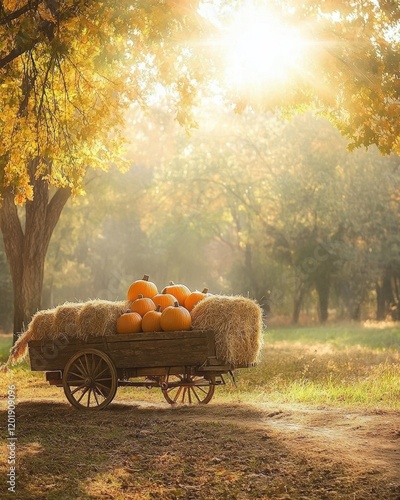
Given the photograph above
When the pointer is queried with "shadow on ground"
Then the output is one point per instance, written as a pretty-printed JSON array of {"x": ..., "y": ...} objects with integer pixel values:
[{"x": 146, "y": 451}]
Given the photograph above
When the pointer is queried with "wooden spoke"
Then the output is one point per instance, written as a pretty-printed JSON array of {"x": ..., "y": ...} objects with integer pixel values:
[
  {"x": 90, "y": 380},
  {"x": 83, "y": 393},
  {"x": 77, "y": 389},
  {"x": 95, "y": 397},
  {"x": 197, "y": 397},
  {"x": 80, "y": 366},
  {"x": 188, "y": 390},
  {"x": 98, "y": 367}
]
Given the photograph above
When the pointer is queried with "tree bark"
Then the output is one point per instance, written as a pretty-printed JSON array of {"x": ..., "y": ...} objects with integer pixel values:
[
  {"x": 384, "y": 296},
  {"x": 322, "y": 286},
  {"x": 298, "y": 303},
  {"x": 26, "y": 247},
  {"x": 380, "y": 303}
]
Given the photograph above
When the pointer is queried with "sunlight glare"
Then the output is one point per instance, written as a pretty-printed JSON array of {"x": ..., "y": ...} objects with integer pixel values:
[{"x": 261, "y": 50}]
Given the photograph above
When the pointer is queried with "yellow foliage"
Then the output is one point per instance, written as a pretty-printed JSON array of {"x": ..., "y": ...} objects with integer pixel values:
[{"x": 63, "y": 97}]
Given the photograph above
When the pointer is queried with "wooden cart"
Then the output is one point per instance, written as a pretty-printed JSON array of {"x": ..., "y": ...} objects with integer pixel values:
[{"x": 182, "y": 364}]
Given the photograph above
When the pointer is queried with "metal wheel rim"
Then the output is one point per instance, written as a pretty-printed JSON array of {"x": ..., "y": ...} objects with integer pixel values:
[
  {"x": 90, "y": 380},
  {"x": 187, "y": 392}
]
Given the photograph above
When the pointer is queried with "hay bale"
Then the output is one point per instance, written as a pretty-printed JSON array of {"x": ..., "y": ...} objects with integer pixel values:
[
  {"x": 237, "y": 323},
  {"x": 75, "y": 320},
  {"x": 99, "y": 318},
  {"x": 66, "y": 319},
  {"x": 40, "y": 327}
]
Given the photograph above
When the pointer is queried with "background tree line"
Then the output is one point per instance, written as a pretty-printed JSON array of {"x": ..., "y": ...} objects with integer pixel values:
[
  {"x": 251, "y": 203},
  {"x": 71, "y": 71}
]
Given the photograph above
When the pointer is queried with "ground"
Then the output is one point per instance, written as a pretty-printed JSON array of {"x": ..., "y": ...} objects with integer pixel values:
[
  {"x": 143, "y": 450},
  {"x": 318, "y": 418}
]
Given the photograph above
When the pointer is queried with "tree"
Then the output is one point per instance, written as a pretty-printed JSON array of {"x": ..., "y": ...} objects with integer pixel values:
[
  {"x": 69, "y": 69},
  {"x": 67, "y": 72},
  {"x": 355, "y": 72},
  {"x": 297, "y": 211},
  {"x": 348, "y": 69},
  {"x": 5, "y": 292}
]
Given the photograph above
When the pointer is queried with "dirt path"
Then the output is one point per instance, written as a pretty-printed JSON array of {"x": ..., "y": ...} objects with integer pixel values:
[
  {"x": 368, "y": 442},
  {"x": 221, "y": 451}
]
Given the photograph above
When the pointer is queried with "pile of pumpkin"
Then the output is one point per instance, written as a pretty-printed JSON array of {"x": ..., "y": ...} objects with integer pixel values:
[{"x": 151, "y": 311}]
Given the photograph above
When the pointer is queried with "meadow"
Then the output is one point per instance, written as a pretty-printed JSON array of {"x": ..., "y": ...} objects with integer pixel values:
[
  {"x": 316, "y": 418},
  {"x": 354, "y": 365}
]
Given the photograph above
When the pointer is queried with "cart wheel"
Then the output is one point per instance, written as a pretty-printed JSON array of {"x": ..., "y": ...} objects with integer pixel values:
[
  {"x": 90, "y": 380},
  {"x": 188, "y": 389}
]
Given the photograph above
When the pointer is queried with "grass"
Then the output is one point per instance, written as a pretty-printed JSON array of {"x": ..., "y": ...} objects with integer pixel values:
[
  {"x": 147, "y": 452},
  {"x": 334, "y": 365},
  {"x": 5, "y": 344},
  {"x": 342, "y": 365}
]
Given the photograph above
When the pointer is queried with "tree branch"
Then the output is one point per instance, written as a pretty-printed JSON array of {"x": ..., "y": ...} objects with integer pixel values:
[
  {"x": 6, "y": 19},
  {"x": 14, "y": 54},
  {"x": 45, "y": 27}
]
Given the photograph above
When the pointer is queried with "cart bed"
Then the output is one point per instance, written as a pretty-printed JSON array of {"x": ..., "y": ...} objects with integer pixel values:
[{"x": 135, "y": 350}]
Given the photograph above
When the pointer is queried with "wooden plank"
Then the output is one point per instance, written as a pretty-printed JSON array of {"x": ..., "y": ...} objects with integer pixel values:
[
  {"x": 190, "y": 351},
  {"x": 68, "y": 340},
  {"x": 128, "y": 337},
  {"x": 145, "y": 336},
  {"x": 160, "y": 349},
  {"x": 214, "y": 368},
  {"x": 140, "y": 350},
  {"x": 55, "y": 355}
]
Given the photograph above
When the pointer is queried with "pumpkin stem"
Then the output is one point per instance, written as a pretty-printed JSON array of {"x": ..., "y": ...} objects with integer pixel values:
[
  {"x": 158, "y": 308},
  {"x": 205, "y": 290},
  {"x": 171, "y": 283},
  {"x": 176, "y": 303},
  {"x": 146, "y": 277},
  {"x": 140, "y": 296}
]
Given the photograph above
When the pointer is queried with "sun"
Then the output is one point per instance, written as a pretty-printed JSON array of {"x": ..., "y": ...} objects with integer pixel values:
[{"x": 260, "y": 49}]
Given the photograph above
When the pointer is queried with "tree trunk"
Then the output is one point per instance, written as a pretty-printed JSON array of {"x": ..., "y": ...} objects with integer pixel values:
[
  {"x": 298, "y": 303},
  {"x": 322, "y": 287},
  {"x": 356, "y": 312},
  {"x": 26, "y": 245},
  {"x": 384, "y": 296},
  {"x": 380, "y": 303}
]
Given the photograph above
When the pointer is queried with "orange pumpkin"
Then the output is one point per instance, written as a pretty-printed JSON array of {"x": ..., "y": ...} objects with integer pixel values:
[
  {"x": 151, "y": 321},
  {"x": 129, "y": 322},
  {"x": 175, "y": 318},
  {"x": 164, "y": 300},
  {"x": 142, "y": 287},
  {"x": 195, "y": 297},
  {"x": 142, "y": 305},
  {"x": 179, "y": 291}
]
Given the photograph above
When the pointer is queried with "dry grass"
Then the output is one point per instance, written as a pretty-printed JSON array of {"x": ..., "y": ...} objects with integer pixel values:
[
  {"x": 228, "y": 449},
  {"x": 341, "y": 366},
  {"x": 337, "y": 366},
  {"x": 237, "y": 322}
]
